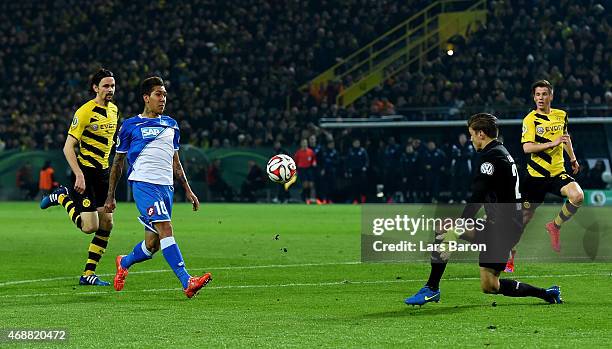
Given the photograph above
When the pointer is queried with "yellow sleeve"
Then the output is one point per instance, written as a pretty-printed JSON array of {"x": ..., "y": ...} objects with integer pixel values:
[
  {"x": 79, "y": 123},
  {"x": 528, "y": 134},
  {"x": 565, "y": 124}
]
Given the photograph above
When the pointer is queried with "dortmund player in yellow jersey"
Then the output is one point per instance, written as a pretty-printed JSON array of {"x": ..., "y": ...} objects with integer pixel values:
[
  {"x": 545, "y": 138},
  {"x": 93, "y": 130}
]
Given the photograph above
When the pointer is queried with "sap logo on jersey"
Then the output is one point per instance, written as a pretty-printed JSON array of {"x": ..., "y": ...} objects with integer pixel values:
[{"x": 151, "y": 132}]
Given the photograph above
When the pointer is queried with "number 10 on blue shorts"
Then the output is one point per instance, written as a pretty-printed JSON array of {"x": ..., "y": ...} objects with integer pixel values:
[{"x": 154, "y": 201}]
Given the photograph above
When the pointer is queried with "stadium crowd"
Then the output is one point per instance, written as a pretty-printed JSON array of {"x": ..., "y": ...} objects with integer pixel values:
[
  {"x": 566, "y": 42},
  {"x": 231, "y": 66}
]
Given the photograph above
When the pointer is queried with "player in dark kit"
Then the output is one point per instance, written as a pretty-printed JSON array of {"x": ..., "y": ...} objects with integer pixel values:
[{"x": 496, "y": 186}]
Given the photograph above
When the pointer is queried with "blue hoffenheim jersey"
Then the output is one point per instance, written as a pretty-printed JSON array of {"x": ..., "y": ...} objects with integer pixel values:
[{"x": 150, "y": 144}]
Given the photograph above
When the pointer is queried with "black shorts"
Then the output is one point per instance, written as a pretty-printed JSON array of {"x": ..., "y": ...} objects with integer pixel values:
[
  {"x": 96, "y": 189},
  {"x": 305, "y": 173},
  {"x": 499, "y": 240},
  {"x": 534, "y": 189}
]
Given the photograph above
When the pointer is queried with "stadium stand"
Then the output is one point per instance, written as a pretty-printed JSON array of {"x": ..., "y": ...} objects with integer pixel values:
[{"x": 231, "y": 66}]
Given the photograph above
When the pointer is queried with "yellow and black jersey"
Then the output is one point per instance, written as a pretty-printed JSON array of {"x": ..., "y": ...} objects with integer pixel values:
[
  {"x": 543, "y": 128},
  {"x": 94, "y": 126}
]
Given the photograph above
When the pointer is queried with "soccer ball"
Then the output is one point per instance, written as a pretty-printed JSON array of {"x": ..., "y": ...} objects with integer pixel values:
[{"x": 281, "y": 168}]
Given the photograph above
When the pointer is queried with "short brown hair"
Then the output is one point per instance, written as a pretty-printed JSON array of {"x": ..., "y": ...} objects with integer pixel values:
[
  {"x": 147, "y": 85},
  {"x": 97, "y": 77},
  {"x": 542, "y": 83},
  {"x": 484, "y": 122}
]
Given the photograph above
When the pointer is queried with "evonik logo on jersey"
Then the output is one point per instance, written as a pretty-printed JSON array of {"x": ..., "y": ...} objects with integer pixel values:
[{"x": 150, "y": 132}]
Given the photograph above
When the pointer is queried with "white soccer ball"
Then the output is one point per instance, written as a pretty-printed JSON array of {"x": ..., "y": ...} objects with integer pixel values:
[{"x": 281, "y": 168}]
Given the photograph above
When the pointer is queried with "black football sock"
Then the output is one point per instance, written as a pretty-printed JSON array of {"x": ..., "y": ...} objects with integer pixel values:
[
  {"x": 437, "y": 270},
  {"x": 438, "y": 265},
  {"x": 97, "y": 247},
  {"x": 71, "y": 209},
  {"x": 567, "y": 211},
  {"x": 513, "y": 288}
]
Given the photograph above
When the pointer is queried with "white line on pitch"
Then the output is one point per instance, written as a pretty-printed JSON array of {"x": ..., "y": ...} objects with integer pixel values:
[
  {"x": 59, "y": 278},
  {"x": 320, "y": 284}
]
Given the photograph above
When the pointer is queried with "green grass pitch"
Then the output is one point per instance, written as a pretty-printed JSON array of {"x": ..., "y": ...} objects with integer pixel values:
[{"x": 284, "y": 276}]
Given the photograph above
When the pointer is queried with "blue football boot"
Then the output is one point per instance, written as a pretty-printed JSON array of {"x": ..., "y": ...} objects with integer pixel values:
[
  {"x": 53, "y": 198},
  {"x": 425, "y": 295},
  {"x": 92, "y": 280},
  {"x": 553, "y": 294}
]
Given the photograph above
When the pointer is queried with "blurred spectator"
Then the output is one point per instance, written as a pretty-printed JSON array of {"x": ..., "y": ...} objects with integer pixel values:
[
  {"x": 318, "y": 152},
  {"x": 461, "y": 168},
  {"x": 255, "y": 180},
  {"x": 306, "y": 162},
  {"x": 25, "y": 181},
  {"x": 595, "y": 180},
  {"x": 433, "y": 166},
  {"x": 217, "y": 185},
  {"x": 410, "y": 174},
  {"x": 391, "y": 168},
  {"x": 46, "y": 180},
  {"x": 357, "y": 164},
  {"x": 329, "y": 170}
]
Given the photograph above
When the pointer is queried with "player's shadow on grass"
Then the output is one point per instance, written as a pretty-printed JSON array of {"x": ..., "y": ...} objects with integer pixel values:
[
  {"x": 56, "y": 300},
  {"x": 406, "y": 310}
]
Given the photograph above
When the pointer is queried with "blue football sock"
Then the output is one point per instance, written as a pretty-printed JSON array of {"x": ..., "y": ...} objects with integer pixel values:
[
  {"x": 175, "y": 259},
  {"x": 138, "y": 254}
]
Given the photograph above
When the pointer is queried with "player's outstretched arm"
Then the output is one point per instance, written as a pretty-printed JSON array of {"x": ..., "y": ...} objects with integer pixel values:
[
  {"x": 179, "y": 174},
  {"x": 569, "y": 149},
  {"x": 71, "y": 158},
  {"x": 115, "y": 175},
  {"x": 531, "y": 147}
]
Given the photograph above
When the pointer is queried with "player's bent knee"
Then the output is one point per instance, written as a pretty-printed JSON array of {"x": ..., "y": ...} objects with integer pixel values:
[
  {"x": 89, "y": 229},
  {"x": 152, "y": 247},
  {"x": 106, "y": 220},
  {"x": 90, "y": 222},
  {"x": 164, "y": 229},
  {"x": 577, "y": 197},
  {"x": 489, "y": 283},
  {"x": 108, "y": 225},
  {"x": 489, "y": 287}
]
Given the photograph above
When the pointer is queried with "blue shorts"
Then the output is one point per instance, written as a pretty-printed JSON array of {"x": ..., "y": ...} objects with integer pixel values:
[{"x": 154, "y": 201}]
